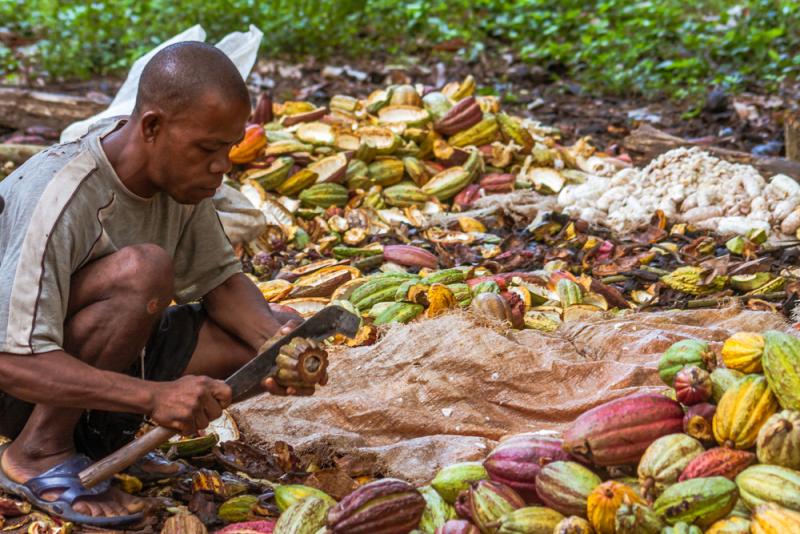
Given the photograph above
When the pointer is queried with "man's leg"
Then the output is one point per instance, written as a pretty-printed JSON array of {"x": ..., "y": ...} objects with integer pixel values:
[{"x": 114, "y": 303}]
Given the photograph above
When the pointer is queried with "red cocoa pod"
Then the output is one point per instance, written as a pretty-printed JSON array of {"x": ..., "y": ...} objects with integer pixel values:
[
  {"x": 467, "y": 196},
  {"x": 498, "y": 183},
  {"x": 262, "y": 114},
  {"x": 698, "y": 422},
  {"x": 388, "y": 505},
  {"x": 517, "y": 461},
  {"x": 465, "y": 114},
  {"x": 618, "y": 432},
  {"x": 718, "y": 462},
  {"x": 501, "y": 281},
  {"x": 457, "y": 526},
  {"x": 517, "y": 307},
  {"x": 692, "y": 385},
  {"x": 410, "y": 256}
]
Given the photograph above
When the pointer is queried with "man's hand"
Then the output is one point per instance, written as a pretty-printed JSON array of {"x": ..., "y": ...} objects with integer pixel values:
[{"x": 188, "y": 404}]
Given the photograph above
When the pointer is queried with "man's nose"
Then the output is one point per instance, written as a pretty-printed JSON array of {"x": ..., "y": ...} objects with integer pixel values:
[{"x": 221, "y": 165}]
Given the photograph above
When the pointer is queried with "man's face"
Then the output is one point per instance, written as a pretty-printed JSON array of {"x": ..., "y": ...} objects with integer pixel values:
[{"x": 190, "y": 153}]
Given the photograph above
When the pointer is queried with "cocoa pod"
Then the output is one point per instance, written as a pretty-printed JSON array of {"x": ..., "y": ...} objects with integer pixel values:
[
  {"x": 518, "y": 460},
  {"x": 698, "y": 422},
  {"x": 458, "y": 526},
  {"x": 730, "y": 525},
  {"x": 529, "y": 520},
  {"x": 249, "y": 527},
  {"x": 772, "y": 519},
  {"x": 566, "y": 486},
  {"x": 498, "y": 183},
  {"x": 491, "y": 305},
  {"x": 183, "y": 524},
  {"x": 781, "y": 362},
  {"x": 388, "y": 505},
  {"x": 719, "y": 461},
  {"x": 742, "y": 352},
  {"x": 697, "y": 500},
  {"x": 664, "y": 461},
  {"x": 465, "y": 114},
  {"x": 683, "y": 353},
  {"x": 721, "y": 380},
  {"x": 618, "y": 432},
  {"x": 762, "y": 484},
  {"x": 485, "y": 502},
  {"x": 467, "y": 196},
  {"x": 451, "y": 480},
  {"x": 692, "y": 385},
  {"x": 303, "y": 517},
  {"x": 632, "y": 518},
  {"x": 741, "y": 412},
  {"x": 573, "y": 525},
  {"x": 778, "y": 440},
  {"x": 447, "y": 183},
  {"x": 288, "y": 494},
  {"x": 603, "y": 503},
  {"x": 237, "y": 508},
  {"x": 482, "y": 133},
  {"x": 404, "y": 194},
  {"x": 248, "y": 149},
  {"x": 410, "y": 256},
  {"x": 324, "y": 195},
  {"x": 437, "y": 511}
]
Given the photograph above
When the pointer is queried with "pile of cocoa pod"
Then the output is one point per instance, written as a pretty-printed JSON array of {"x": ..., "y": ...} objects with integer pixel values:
[{"x": 717, "y": 453}]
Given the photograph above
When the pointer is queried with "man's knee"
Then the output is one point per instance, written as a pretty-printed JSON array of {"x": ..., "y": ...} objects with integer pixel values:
[{"x": 146, "y": 270}]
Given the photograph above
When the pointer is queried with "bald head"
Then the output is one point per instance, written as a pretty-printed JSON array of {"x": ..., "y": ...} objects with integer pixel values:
[{"x": 182, "y": 74}]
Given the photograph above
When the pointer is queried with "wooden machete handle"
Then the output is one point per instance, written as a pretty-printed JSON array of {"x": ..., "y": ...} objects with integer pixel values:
[{"x": 123, "y": 458}]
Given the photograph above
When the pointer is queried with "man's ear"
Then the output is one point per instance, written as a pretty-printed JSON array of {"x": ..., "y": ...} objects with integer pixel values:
[{"x": 151, "y": 124}]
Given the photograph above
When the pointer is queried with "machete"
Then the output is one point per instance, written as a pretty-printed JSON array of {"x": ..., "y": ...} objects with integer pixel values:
[{"x": 245, "y": 383}]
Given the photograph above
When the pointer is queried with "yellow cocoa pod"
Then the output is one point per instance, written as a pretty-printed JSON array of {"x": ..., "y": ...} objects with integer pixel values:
[
  {"x": 742, "y": 352},
  {"x": 773, "y": 519},
  {"x": 603, "y": 503},
  {"x": 742, "y": 411}
]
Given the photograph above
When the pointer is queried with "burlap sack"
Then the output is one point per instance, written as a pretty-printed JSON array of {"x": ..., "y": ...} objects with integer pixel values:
[{"x": 442, "y": 390}]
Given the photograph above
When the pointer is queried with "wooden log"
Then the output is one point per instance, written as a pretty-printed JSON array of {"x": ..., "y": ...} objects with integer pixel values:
[
  {"x": 21, "y": 108},
  {"x": 18, "y": 154},
  {"x": 649, "y": 142},
  {"x": 791, "y": 130}
]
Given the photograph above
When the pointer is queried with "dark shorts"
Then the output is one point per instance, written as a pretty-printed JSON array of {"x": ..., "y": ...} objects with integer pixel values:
[{"x": 166, "y": 357}]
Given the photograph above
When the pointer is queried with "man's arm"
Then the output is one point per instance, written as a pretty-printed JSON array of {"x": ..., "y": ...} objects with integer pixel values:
[
  {"x": 58, "y": 379},
  {"x": 239, "y": 308}
]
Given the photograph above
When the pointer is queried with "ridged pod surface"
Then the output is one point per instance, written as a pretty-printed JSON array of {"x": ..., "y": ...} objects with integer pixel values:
[
  {"x": 635, "y": 518},
  {"x": 458, "y": 526},
  {"x": 682, "y": 528},
  {"x": 486, "y": 502},
  {"x": 698, "y": 500},
  {"x": 719, "y": 461},
  {"x": 603, "y": 503},
  {"x": 385, "y": 506},
  {"x": 683, "y": 353},
  {"x": 723, "y": 379},
  {"x": 762, "y": 484},
  {"x": 618, "y": 432},
  {"x": 288, "y": 494},
  {"x": 730, "y": 525},
  {"x": 455, "y": 478},
  {"x": 565, "y": 487},
  {"x": 692, "y": 385},
  {"x": 303, "y": 517},
  {"x": 772, "y": 519},
  {"x": 664, "y": 461},
  {"x": 437, "y": 511},
  {"x": 530, "y": 520},
  {"x": 742, "y": 352},
  {"x": 778, "y": 440},
  {"x": 742, "y": 410},
  {"x": 781, "y": 364},
  {"x": 518, "y": 460}
]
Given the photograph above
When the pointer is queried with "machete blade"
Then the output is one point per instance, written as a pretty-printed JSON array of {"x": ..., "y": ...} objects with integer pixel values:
[{"x": 329, "y": 321}]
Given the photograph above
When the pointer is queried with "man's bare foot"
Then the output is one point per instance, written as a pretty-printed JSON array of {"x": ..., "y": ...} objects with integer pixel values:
[{"x": 20, "y": 467}]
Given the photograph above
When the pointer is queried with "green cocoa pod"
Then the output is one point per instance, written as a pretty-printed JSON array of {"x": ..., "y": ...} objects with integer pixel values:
[
  {"x": 697, "y": 500},
  {"x": 683, "y": 353},
  {"x": 303, "y": 517},
  {"x": 455, "y": 478},
  {"x": 437, "y": 511}
]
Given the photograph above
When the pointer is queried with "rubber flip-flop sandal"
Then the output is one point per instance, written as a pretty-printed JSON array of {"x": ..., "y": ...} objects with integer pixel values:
[{"x": 64, "y": 477}]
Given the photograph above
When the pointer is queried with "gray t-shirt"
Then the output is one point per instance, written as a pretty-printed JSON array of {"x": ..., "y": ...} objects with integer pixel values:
[{"x": 66, "y": 207}]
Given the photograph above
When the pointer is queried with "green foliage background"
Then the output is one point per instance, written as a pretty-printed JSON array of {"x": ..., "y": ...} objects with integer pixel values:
[{"x": 674, "y": 47}]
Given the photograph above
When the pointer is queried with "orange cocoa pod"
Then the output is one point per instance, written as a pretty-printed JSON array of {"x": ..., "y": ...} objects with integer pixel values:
[{"x": 246, "y": 151}]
